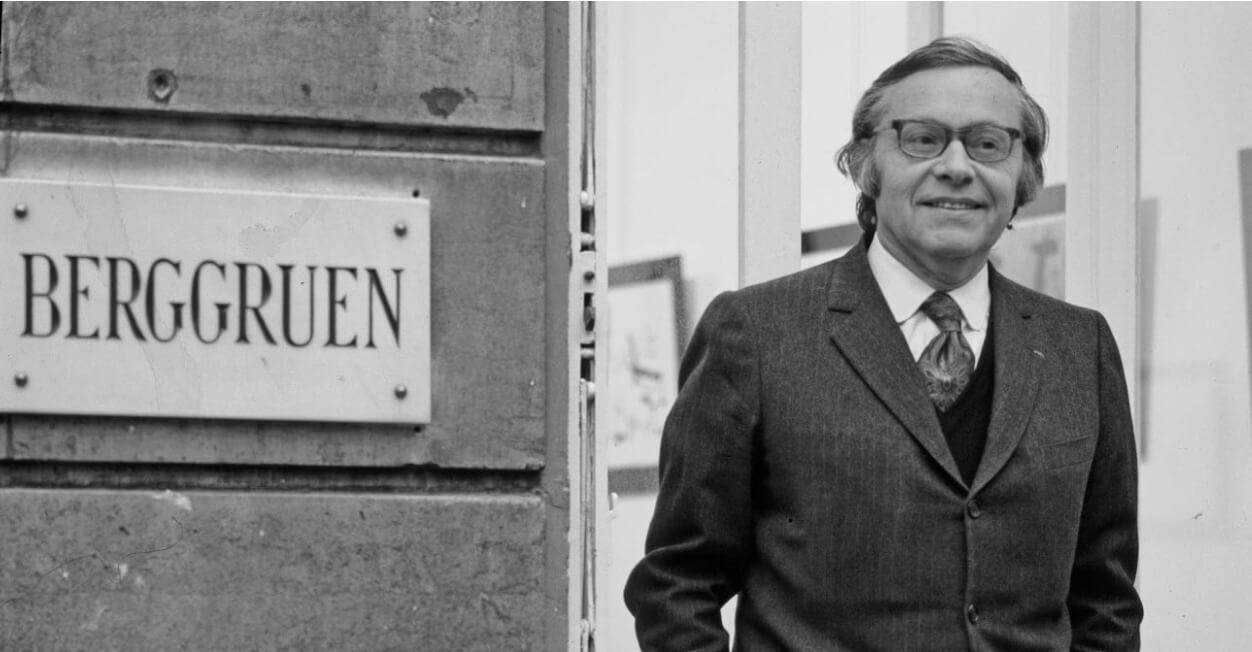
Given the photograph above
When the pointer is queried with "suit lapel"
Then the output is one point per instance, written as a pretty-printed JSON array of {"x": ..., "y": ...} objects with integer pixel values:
[
  {"x": 865, "y": 332},
  {"x": 1019, "y": 357}
]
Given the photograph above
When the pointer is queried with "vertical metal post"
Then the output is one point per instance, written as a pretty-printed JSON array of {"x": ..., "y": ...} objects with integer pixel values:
[
  {"x": 596, "y": 47},
  {"x": 571, "y": 255},
  {"x": 769, "y": 140}
]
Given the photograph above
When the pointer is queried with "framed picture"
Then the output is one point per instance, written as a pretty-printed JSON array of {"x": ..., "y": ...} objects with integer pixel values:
[
  {"x": 821, "y": 245},
  {"x": 647, "y": 326},
  {"x": 1033, "y": 253}
]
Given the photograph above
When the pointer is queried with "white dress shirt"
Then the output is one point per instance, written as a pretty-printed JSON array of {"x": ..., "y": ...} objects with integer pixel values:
[{"x": 905, "y": 293}]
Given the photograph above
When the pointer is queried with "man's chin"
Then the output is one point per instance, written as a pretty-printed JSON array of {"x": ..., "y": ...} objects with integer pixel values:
[{"x": 959, "y": 246}]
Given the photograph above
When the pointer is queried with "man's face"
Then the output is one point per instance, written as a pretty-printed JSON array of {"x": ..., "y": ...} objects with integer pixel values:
[{"x": 942, "y": 215}]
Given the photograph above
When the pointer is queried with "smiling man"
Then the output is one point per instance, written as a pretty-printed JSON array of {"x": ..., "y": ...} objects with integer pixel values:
[{"x": 902, "y": 449}]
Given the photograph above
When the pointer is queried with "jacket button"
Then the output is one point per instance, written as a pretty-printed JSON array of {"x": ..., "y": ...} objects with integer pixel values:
[
  {"x": 973, "y": 509},
  {"x": 971, "y": 612}
]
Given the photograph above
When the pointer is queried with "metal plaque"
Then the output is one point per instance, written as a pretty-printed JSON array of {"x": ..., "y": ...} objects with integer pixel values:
[{"x": 140, "y": 301}]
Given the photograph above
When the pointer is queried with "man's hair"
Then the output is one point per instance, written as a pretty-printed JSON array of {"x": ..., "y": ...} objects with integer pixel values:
[{"x": 854, "y": 158}]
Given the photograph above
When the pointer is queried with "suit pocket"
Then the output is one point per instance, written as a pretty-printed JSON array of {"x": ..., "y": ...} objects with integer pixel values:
[{"x": 1068, "y": 453}]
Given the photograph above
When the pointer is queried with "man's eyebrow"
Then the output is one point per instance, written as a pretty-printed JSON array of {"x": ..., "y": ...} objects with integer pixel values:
[{"x": 966, "y": 127}]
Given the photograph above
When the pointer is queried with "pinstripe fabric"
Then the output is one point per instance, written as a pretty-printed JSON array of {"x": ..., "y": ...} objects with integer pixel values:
[{"x": 803, "y": 468}]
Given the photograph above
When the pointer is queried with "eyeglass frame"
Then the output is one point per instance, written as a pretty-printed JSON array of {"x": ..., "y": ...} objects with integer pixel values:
[{"x": 949, "y": 135}]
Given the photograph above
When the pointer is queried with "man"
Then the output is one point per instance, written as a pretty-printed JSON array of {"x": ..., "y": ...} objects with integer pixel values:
[{"x": 902, "y": 449}]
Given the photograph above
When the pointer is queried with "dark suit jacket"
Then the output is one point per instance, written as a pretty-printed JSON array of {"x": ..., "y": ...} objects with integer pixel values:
[{"x": 803, "y": 468}]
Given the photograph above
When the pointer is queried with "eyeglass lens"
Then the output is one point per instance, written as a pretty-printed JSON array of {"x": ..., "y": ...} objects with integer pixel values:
[{"x": 986, "y": 143}]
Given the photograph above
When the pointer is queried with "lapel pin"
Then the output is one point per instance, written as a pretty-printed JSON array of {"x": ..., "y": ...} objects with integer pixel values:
[{"x": 1038, "y": 353}]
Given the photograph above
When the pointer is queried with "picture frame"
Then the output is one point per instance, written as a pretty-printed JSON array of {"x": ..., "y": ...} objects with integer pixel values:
[
  {"x": 647, "y": 333},
  {"x": 1033, "y": 252}
]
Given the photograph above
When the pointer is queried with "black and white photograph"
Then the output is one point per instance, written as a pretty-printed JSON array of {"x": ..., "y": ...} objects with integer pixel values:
[{"x": 625, "y": 326}]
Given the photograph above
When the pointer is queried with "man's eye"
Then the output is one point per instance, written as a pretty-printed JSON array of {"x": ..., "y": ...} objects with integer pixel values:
[
  {"x": 923, "y": 139},
  {"x": 989, "y": 141},
  {"x": 986, "y": 144}
]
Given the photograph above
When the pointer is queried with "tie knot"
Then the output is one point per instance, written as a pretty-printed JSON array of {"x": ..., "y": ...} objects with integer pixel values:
[{"x": 942, "y": 310}]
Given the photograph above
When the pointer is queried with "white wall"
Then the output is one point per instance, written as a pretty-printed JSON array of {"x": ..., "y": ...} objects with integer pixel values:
[
  {"x": 1034, "y": 37},
  {"x": 673, "y": 129},
  {"x": 845, "y": 46},
  {"x": 1196, "y": 483},
  {"x": 672, "y": 125}
]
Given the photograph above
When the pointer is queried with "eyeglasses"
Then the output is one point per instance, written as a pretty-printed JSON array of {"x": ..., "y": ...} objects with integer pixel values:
[{"x": 983, "y": 143}]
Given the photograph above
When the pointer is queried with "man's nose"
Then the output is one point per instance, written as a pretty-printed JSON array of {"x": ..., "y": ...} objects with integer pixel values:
[{"x": 954, "y": 165}]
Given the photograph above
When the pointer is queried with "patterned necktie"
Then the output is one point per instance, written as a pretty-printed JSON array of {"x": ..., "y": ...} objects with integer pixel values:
[{"x": 948, "y": 361}]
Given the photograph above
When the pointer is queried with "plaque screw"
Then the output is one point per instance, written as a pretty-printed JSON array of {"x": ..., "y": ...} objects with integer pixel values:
[
  {"x": 401, "y": 391},
  {"x": 21, "y": 211},
  {"x": 21, "y": 379},
  {"x": 161, "y": 85},
  {"x": 401, "y": 228}
]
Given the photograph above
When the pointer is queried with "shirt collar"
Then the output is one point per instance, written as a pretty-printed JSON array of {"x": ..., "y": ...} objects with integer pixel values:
[{"x": 905, "y": 292}]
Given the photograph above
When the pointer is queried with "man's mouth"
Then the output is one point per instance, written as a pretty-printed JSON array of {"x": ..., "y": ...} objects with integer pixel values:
[{"x": 953, "y": 204}]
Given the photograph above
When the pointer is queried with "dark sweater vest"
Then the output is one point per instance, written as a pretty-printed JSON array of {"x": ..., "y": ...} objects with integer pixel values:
[{"x": 965, "y": 423}]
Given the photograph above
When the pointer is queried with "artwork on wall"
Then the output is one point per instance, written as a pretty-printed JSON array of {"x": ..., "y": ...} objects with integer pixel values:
[
  {"x": 1033, "y": 254},
  {"x": 825, "y": 244},
  {"x": 647, "y": 328}
]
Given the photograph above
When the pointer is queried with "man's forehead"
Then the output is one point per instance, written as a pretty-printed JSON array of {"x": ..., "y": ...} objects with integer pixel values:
[{"x": 955, "y": 96}]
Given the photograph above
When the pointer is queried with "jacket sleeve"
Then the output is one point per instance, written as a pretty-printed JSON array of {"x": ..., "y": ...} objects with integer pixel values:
[
  {"x": 701, "y": 533},
  {"x": 1104, "y": 608}
]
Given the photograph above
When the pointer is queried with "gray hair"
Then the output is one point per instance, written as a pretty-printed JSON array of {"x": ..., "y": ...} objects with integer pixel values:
[{"x": 854, "y": 158}]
